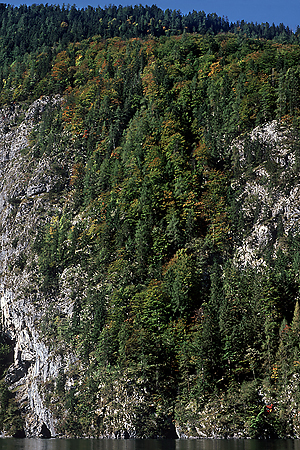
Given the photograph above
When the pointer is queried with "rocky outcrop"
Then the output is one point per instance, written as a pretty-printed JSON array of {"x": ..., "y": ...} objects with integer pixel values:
[
  {"x": 268, "y": 198},
  {"x": 26, "y": 183}
]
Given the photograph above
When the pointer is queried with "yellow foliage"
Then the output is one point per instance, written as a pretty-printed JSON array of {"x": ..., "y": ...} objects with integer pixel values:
[{"x": 215, "y": 68}]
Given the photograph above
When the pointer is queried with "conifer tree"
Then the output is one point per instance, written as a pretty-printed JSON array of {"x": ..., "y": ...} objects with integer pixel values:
[{"x": 211, "y": 338}]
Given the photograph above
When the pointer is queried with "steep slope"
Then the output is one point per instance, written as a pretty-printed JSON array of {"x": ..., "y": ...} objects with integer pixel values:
[
  {"x": 46, "y": 369},
  {"x": 149, "y": 239}
]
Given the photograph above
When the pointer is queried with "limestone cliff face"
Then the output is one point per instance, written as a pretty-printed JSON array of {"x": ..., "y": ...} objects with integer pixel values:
[
  {"x": 269, "y": 196},
  {"x": 26, "y": 184}
]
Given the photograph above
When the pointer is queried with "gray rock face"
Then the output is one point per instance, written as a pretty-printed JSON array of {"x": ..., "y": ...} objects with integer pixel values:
[
  {"x": 267, "y": 202},
  {"x": 24, "y": 184}
]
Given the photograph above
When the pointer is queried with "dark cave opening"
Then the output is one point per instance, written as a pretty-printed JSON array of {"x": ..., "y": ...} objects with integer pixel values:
[{"x": 45, "y": 432}]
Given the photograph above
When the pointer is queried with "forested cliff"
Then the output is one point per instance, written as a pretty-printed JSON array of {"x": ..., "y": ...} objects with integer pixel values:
[{"x": 149, "y": 224}]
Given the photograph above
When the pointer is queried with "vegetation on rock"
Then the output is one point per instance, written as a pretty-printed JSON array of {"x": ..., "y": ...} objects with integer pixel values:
[{"x": 167, "y": 175}]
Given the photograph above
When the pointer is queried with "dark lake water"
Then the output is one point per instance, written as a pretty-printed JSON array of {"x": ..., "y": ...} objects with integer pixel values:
[{"x": 110, "y": 444}]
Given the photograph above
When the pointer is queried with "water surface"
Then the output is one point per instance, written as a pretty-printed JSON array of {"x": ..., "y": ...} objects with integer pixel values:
[{"x": 149, "y": 444}]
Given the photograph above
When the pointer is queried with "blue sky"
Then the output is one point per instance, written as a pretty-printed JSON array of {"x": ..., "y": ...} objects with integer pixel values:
[{"x": 277, "y": 11}]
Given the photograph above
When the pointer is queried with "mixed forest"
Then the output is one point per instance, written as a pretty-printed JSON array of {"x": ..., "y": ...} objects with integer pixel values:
[{"x": 151, "y": 105}]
